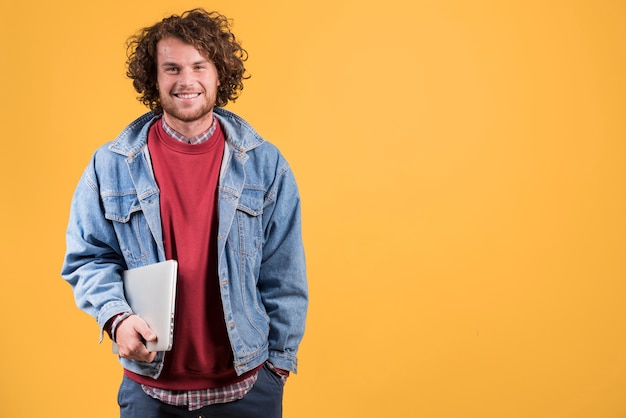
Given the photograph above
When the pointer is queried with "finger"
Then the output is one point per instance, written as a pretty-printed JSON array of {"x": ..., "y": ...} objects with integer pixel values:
[
  {"x": 144, "y": 330},
  {"x": 145, "y": 355},
  {"x": 138, "y": 353}
]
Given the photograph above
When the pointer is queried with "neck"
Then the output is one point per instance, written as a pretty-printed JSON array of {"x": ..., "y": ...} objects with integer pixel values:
[{"x": 189, "y": 129}]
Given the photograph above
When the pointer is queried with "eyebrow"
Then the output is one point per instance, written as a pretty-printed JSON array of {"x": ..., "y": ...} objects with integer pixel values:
[{"x": 174, "y": 64}]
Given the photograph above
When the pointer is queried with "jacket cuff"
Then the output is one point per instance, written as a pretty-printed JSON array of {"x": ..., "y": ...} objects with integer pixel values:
[
  {"x": 109, "y": 311},
  {"x": 284, "y": 361}
]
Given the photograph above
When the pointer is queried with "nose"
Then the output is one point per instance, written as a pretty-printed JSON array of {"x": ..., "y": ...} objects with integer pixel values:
[{"x": 185, "y": 77}]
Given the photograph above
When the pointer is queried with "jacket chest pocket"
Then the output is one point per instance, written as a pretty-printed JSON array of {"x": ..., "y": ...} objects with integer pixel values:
[
  {"x": 247, "y": 237},
  {"x": 131, "y": 227}
]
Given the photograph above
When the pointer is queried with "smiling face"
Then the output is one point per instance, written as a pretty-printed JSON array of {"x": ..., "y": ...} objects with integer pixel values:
[{"x": 187, "y": 83}]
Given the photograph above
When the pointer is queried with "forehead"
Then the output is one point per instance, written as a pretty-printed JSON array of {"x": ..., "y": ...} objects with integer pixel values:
[{"x": 176, "y": 50}]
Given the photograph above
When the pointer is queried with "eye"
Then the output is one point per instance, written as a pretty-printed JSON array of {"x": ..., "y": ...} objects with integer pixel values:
[{"x": 171, "y": 70}]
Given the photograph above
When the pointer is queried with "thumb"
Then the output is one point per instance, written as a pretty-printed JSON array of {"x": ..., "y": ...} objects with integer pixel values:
[{"x": 144, "y": 330}]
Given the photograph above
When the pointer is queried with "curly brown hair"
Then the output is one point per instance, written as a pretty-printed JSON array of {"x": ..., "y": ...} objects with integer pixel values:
[{"x": 209, "y": 33}]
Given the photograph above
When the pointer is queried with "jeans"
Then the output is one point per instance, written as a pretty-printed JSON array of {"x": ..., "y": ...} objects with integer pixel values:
[{"x": 263, "y": 401}]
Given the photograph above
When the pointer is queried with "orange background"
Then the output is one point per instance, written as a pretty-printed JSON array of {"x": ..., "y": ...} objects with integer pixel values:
[{"x": 462, "y": 170}]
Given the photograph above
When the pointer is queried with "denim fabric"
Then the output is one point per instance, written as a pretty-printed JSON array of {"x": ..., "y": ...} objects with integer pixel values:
[
  {"x": 115, "y": 224},
  {"x": 263, "y": 401}
]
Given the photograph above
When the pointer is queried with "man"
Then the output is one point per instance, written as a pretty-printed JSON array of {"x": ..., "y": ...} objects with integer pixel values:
[{"x": 193, "y": 182}]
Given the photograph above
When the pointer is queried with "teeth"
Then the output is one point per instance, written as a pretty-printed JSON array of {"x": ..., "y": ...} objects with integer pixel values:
[{"x": 187, "y": 95}]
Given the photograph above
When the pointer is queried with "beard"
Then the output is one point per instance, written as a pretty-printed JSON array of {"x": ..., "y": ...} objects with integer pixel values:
[{"x": 186, "y": 113}]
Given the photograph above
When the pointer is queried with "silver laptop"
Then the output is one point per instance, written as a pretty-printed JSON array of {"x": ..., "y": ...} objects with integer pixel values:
[{"x": 151, "y": 293}]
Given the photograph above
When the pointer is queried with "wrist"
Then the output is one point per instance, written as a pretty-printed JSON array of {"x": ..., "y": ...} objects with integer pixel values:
[
  {"x": 115, "y": 322},
  {"x": 282, "y": 373}
]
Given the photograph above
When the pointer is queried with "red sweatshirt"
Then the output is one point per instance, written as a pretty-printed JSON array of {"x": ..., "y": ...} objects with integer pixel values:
[{"x": 187, "y": 176}]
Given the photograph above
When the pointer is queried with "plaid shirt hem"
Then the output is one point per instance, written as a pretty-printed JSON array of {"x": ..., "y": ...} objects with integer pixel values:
[{"x": 196, "y": 399}]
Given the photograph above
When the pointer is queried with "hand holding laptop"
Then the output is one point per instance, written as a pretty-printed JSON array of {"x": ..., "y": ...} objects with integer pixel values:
[
  {"x": 151, "y": 293},
  {"x": 132, "y": 334}
]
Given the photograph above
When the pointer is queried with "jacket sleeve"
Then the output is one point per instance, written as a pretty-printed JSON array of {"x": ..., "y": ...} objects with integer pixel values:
[
  {"x": 93, "y": 262},
  {"x": 282, "y": 277}
]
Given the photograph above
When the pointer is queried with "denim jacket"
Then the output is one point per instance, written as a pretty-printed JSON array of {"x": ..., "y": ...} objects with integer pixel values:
[{"x": 115, "y": 224}]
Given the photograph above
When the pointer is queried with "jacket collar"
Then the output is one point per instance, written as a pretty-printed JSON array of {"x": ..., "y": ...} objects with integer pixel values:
[{"x": 238, "y": 133}]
